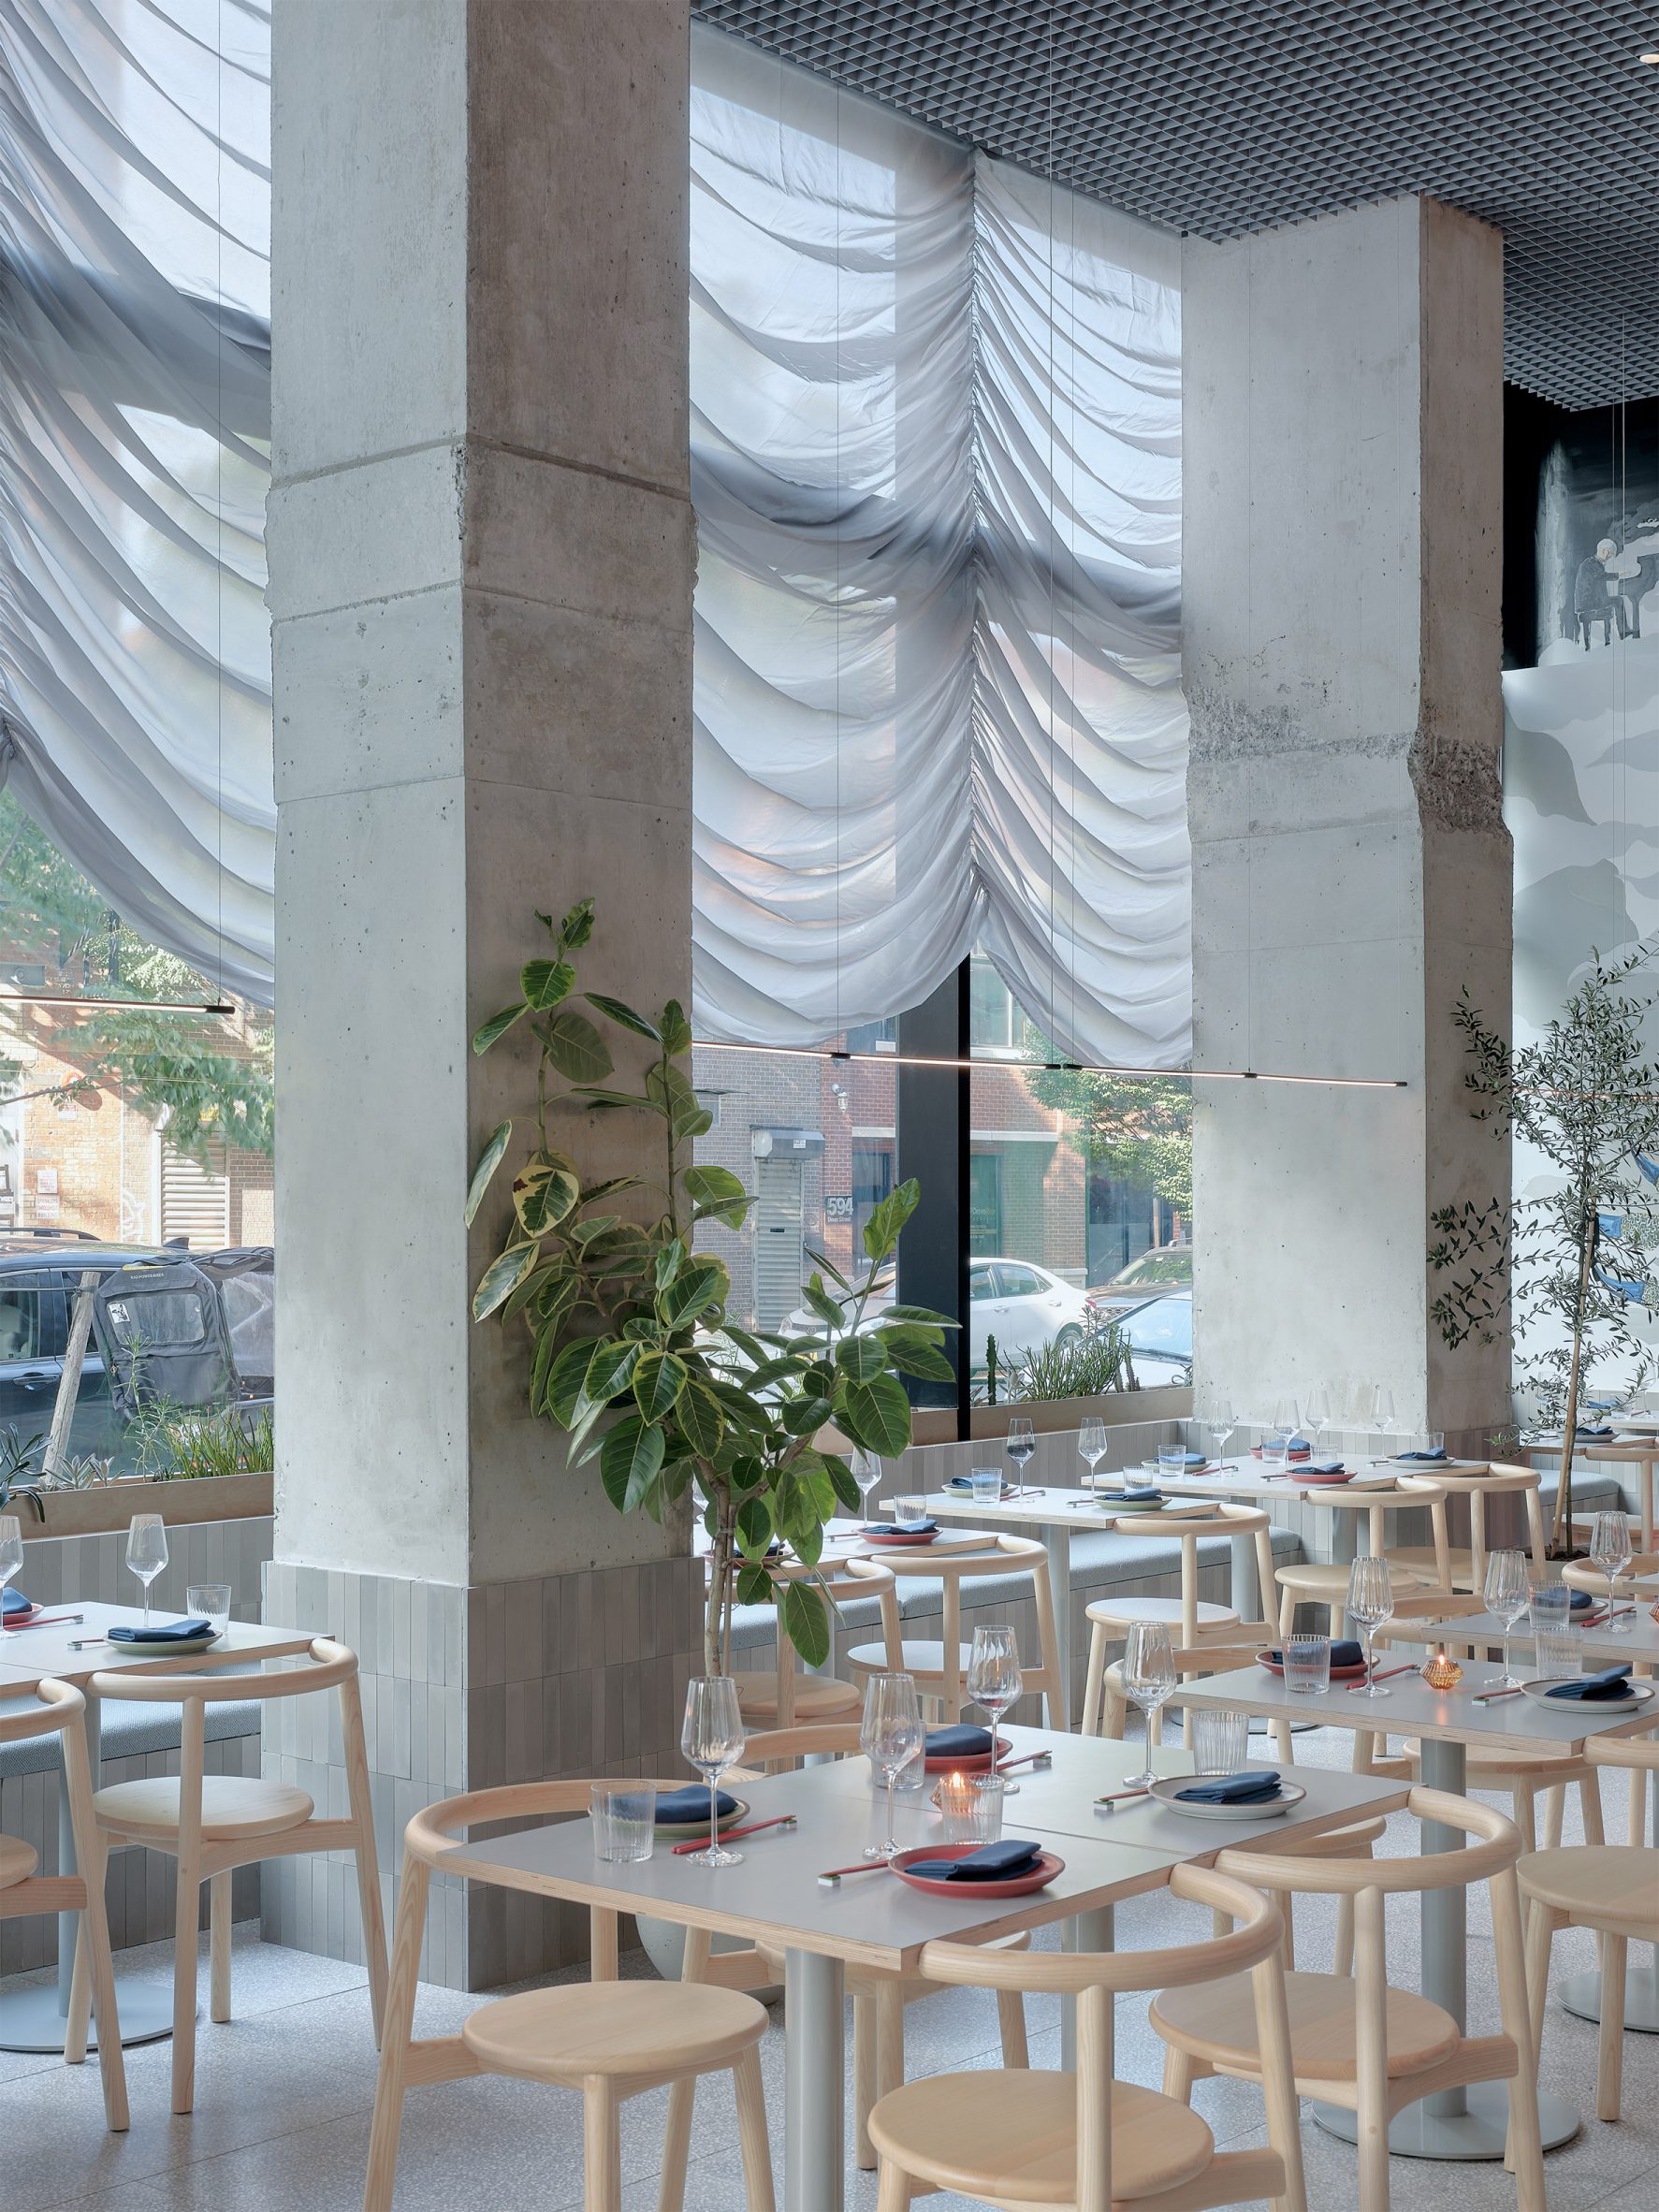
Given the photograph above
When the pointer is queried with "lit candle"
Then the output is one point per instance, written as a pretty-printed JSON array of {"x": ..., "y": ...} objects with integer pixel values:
[{"x": 1443, "y": 1671}]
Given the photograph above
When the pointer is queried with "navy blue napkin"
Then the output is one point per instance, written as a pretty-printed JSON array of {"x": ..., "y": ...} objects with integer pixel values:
[
  {"x": 959, "y": 1741},
  {"x": 1253, "y": 1787},
  {"x": 1605, "y": 1430},
  {"x": 992, "y": 1862},
  {"x": 1134, "y": 1494},
  {"x": 15, "y": 1602},
  {"x": 1433, "y": 1459},
  {"x": 165, "y": 1632},
  {"x": 1344, "y": 1652},
  {"x": 1583, "y": 1601},
  {"x": 891, "y": 1528},
  {"x": 1194, "y": 1458},
  {"x": 1323, "y": 1468},
  {"x": 965, "y": 1482},
  {"x": 1612, "y": 1681},
  {"x": 678, "y": 1807}
]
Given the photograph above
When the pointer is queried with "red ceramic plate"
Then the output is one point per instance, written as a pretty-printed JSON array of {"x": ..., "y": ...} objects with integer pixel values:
[
  {"x": 1312, "y": 1474},
  {"x": 973, "y": 1762},
  {"x": 903, "y": 1537},
  {"x": 15, "y": 1620},
  {"x": 1338, "y": 1674},
  {"x": 1041, "y": 1875}
]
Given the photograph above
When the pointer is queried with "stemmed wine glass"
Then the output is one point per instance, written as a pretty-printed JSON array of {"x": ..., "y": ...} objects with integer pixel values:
[
  {"x": 1610, "y": 1549},
  {"x": 1020, "y": 1443},
  {"x": 11, "y": 1554},
  {"x": 1371, "y": 1602},
  {"x": 1149, "y": 1681},
  {"x": 712, "y": 1736},
  {"x": 145, "y": 1551},
  {"x": 995, "y": 1681},
  {"x": 1382, "y": 1415},
  {"x": 889, "y": 1736},
  {"x": 1223, "y": 1421},
  {"x": 1507, "y": 1594},
  {"x": 1091, "y": 1442},
  {"x": 867, "y": 1473},
  {"x": 1322, "y": 1415}
]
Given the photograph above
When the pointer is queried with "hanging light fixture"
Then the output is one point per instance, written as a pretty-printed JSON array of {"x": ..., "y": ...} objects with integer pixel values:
[{"x": 824, "y": 1052}]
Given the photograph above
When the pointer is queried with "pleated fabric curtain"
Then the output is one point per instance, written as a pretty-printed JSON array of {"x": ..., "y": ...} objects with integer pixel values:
[
  {"x": 936, "y": 463},
  {"x": 134, "y": 408}
]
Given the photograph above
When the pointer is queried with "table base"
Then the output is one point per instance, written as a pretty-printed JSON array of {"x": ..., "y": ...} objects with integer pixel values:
[
  {"x": 1581, "y": 1993},
  {"x": 30, "y": 2019},
  {"x": 1477, "y": 2133}
]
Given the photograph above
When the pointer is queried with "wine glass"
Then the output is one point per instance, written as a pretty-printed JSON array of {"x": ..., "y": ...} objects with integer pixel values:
[
  {"x": 995, "y": 1681},
  {"x": 1021, "y": 1443},
  {"x": 867, "y": 1473},
  {"x": 889, "y": 1736},
  {"x": 1507, "y": 1594},
  {"x": 1091, "y": 1442},
  {"x": 1382, "y": 1413},
  {"x": 1610, "y": 1549},
  {"x": 1149, "y": 1681},
  {"x": 11, "y": 1554},
  {"x": 712, "y": 1736},
  {"x": 1321, "y": 1414},
  {"x": 1223, "y": 1421},
  {"x": 1370, "y": 1602},
  {"x": 145, "y": 1551}
]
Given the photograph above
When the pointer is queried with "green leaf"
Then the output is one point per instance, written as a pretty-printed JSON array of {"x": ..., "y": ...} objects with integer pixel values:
[
  {"x": 488, "y": 1160},
  {"x": 596, "y": 1095},
  {"x": 541, "y": 1367},
  {"x": 629, "y": 1460},
  {"x": 564, "y": 1383},
  {"x": 692, "y": 1291},
  {"x": 806, "y": 1620},
  {"x": 717, "y": 1195},
  {"x": 821, "y": 1259},
  {"x": 701, "y": 1420},
  {"x": 911, "y": 1353},
  {"x": 755, "y": 1524},
  {"x": 532, "y": 1286},
  {"x": 543, "y": 1192},
  {"x": 803, "y": 1416},
  {"x": 919, "y": 1313},
  {"x": 670, "y": 1260},
  {"x": 861, "y": 1358},
  {"x": 881, "y": 1232},
  {"x": 498, "y": 1025},
  {"x": 545, "y": 982},
  {"x": 658, "y": 1381},
  {"x": 848, "y": 1494},
  {"x": 676, "y": 1029},
  {"x": 502, "y": 1277},
  {"x": 596, "y": 1225},
  {"x": 610, "y": 1370},
  {"x": 618, "y": 1011},
  {"x": 828, "y": 1309},
  {"x": 593, "y": 1192},
  {"x": 576, "y": 927},
  {"x": 575, "y": 1047},
  {"x": 754, "y": 1585},
  {"x": 876, "y": 1415}
]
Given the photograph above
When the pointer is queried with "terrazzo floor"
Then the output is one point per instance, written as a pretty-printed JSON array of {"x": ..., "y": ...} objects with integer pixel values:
[{"x": 283, "y": 2095}]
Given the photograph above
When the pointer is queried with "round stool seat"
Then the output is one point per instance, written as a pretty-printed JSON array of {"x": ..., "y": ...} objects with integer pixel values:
[
  {"x": 1599, "y": 1883},
  {"x": 1326, "y": 1582},
  {"x": 926, "y": 1661},
  {"x": 1111, "y": 1610},
  {"x": 17, "y": 1860},
  {"x": 1217, "y": 2021},
  {"x": 1419, "y": 1562},
  {"x": 1012, "y": 2136},
  {"x": 232, "y": 1806},
  {"x": 817, "y": 1698},
  {"x": 615, "y": 2029}
]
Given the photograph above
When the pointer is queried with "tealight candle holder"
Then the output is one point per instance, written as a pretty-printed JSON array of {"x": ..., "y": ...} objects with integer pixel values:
[{"x": 1442, "y": 1671}]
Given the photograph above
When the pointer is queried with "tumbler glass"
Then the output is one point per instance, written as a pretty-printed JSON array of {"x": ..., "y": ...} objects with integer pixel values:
[
  {"x": 1307, "y": 1665},
  {"x": 1220, "y": 1740},
  {"x": 624, "y": 1819}
]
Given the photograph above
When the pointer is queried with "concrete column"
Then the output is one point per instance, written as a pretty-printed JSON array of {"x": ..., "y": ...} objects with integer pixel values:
[
  {"x": 1342, "y": 430},
  {"x": 481, "y": 555}
]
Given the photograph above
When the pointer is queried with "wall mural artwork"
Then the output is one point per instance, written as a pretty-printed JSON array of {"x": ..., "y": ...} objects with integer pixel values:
[{"x": 1581, "y": 711}]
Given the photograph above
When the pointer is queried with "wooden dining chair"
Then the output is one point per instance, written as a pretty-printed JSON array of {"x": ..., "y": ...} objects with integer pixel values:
[
  {"x": 1577, "y": 1574},
  {"x": 212, "y": 1823},
  {"x": 1325, "y": 1582},
  {"x": 1360, "y": 2041},
  {"x": 936, "y": 1674},
  {"x": 1612, "y": 1888},
  {"x": 59, "y": 1709},
  {"x": 609, "y": 2039},
  {"x": 1084, "y": 2139},
  {"x": 879, "y": 1997},
  {"x": 1465, "y": 1564},
  {"x": 790, "y": 1698}
]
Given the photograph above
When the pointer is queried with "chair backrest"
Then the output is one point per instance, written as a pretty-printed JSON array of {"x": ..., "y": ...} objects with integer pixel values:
[
  {"x": 1631, "y": 1751},
  {"x": 58, "y": 1709},
  {"x": 1580, "y": 1575},
  {"x": 781, "y": 1747},
  {"x": 60, "y": 1706},
  {"x": 1500, "y": 1480},
  {"x": 1222, "y": 1520},
  {"x": 842, "y": 1579},
  {"x": 1255, "y": 1944},
  {"x": 1410, "y": 1493},
  {"x": 1002, "y": 1554},
  {"x": 1498, "y": 1847}
]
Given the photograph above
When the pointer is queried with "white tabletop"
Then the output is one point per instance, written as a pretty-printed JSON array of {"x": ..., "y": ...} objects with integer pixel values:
[
  {"x": 29, "y": 1656},
  {"x": 1413, "y": 1709},
  {"x": 1638, "y": 1639},
  {"x": 871, "y": 1919}
]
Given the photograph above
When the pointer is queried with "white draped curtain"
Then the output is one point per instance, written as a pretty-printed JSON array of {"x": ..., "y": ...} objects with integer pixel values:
[
  {"x": 935, "y": 455},
  {"x": 135, "y": 407}
]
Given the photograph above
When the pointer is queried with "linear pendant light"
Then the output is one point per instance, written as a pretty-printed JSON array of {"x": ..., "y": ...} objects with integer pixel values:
[
  {"x": 194, "y": 1006},
  {"x": 822, "y": 1052}
]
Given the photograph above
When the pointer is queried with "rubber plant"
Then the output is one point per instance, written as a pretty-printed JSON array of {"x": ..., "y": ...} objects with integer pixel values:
[{"x": 631, "y": 1352}]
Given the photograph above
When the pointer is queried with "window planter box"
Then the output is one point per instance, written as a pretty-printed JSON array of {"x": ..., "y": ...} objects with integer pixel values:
[{"x": 113, "y": 1504}]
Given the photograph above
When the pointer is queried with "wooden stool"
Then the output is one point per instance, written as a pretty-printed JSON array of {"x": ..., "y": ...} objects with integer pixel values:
[
  {"x": 607, "y": 2038},
  {"x": 24, "y": 1892},
  {"x": 1359, "y": 2043},
  {"x": 809, "y": 1699},
  {"x": 1319, "y": 1582},
  {"x": 1523, "y": 1776},
  {"x": 210, "y": 1823},
  {"x": 1206, "y": 1659},
  {"x": 1466, "y": 1567},
  {"x": 1085, "y": 2140},
  {"x": 1349, "y": 1842},
  {"x": 940, "y": 1668},
  {"x": 1612, "y": 1888}
]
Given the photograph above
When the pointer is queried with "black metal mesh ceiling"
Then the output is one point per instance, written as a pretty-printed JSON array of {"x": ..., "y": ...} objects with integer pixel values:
[{"x": 1536, "y": 115}]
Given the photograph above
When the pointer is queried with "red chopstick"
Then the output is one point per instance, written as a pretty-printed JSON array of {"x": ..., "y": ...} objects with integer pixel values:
[
  {"x": 44, "y": 1619},
  {"x": 1390, "y": 1673},
  {"x": 1490, "y": 1696},
  {"x": 784, "y": 1820},
  {"x": 864, "y": 1865}
]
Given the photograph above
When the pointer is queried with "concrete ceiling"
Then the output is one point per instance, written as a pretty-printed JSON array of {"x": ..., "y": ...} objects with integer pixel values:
[{"x": 1536, "y": 115}]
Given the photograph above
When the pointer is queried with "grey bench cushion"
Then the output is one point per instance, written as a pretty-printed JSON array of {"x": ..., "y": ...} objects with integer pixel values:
[{"x": 132, "y": 1730}]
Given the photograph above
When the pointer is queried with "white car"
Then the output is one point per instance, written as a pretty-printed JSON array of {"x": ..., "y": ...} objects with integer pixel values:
[{"x": 1024, "y": 1306}]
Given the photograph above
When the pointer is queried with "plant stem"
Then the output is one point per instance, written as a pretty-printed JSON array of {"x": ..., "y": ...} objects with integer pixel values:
[{"x": 1560, "y": 1535}]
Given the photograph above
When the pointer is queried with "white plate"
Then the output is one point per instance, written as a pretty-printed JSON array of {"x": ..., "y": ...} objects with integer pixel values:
[
  {"x": 1290, "y": 1795},
  {"x": 167, "y": 1648},
  {"x": 1640, "y": 1694}
]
